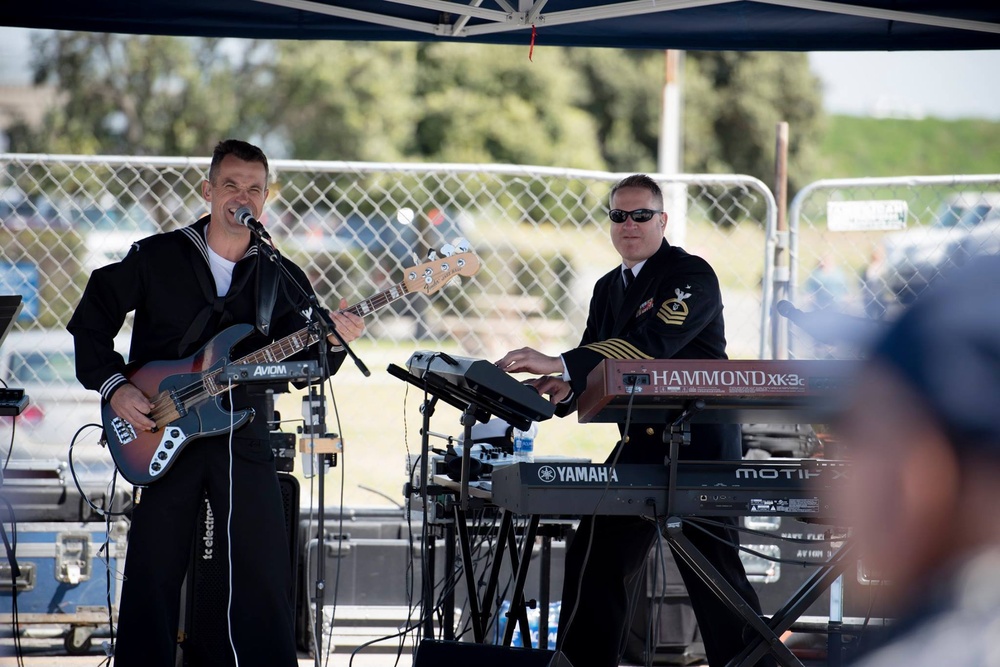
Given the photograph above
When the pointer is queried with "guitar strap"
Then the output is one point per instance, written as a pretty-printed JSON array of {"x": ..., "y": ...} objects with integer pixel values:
[{"x": 267, "y": 292}]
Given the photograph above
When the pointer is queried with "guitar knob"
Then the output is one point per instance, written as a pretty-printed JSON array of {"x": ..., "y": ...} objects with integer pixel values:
[
  {"x": 155, "y": 466},
  {"x": 162, "y": 456}
]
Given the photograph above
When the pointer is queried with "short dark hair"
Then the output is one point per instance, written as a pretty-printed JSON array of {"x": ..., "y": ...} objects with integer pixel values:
[
  {"x": 237, "y": 148},
  {"x": 639, "y": 181}
]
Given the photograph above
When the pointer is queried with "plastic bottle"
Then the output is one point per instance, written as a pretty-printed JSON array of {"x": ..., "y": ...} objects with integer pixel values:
[{"x": 524, "y": 444}]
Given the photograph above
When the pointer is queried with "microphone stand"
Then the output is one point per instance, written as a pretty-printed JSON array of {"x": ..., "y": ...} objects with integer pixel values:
[{"x": 320, "y": 319}]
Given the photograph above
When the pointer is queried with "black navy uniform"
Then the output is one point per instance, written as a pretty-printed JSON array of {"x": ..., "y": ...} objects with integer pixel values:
[
  {"x": 167, "y": 281},
  {"x": 672, "y": 310}
]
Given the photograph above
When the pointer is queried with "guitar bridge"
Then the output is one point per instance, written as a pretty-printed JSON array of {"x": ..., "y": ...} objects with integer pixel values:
[{"x": 124, "y": 432}]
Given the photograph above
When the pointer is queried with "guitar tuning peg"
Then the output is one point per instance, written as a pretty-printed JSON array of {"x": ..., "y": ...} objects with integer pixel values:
[
  {"x": 447, "y": 250},
  {"x": 431, "y": 256},
  {"x": 461, "y": 245}
]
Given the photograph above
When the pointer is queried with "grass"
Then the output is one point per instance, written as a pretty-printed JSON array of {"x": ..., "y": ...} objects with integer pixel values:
[{"x": 854, "y": 146}]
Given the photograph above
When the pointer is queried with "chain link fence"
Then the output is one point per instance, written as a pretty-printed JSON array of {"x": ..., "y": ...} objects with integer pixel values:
[
  {"x": 866, "y": 248},
  {"x": 541, "y": 235}
]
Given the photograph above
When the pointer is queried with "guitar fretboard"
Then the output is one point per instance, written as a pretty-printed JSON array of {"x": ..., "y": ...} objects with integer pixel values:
[
  {"x": 280, "y": 350},
  {"x": 380, "y": 300}
]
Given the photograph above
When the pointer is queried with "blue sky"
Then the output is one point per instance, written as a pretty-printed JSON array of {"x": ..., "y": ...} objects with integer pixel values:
[{"x": 945, "y": 84}]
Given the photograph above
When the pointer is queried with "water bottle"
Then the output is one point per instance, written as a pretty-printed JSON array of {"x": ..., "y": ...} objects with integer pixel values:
[{"x": 524, "y": 444}]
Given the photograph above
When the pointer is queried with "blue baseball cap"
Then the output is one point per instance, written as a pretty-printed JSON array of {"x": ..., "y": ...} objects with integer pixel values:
[{"x": 947, "y": 348}]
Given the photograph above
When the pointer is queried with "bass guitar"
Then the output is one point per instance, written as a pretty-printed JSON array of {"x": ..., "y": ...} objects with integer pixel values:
[{"x": 187, "y": 394}]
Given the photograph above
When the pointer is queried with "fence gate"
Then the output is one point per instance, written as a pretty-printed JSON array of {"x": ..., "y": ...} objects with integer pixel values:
[{"x": 868, "y": 247}]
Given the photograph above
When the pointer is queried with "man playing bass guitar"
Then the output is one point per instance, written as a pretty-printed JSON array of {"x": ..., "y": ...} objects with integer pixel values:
[{"x": 185, "y": 287}]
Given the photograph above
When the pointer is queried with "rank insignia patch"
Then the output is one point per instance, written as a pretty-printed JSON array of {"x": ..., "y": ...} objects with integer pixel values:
[{"x": 675, "y": 311}]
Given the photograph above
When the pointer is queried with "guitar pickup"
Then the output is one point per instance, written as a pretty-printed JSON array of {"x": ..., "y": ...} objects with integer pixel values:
[{"x": 178, "y": 404}]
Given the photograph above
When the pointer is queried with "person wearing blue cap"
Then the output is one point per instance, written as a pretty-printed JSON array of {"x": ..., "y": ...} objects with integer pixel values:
[{"x": 923, "y": 431}]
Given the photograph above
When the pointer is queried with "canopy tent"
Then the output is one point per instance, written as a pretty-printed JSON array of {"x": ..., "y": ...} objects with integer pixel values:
[{"x": 791, "y": 25}]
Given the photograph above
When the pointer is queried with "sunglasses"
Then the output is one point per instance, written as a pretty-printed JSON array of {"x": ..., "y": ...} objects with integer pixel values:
[{"x": 638, "y": 215}]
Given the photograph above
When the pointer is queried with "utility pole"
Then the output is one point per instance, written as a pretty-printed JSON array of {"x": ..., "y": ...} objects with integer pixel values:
[{"x": 671, "y": 146}]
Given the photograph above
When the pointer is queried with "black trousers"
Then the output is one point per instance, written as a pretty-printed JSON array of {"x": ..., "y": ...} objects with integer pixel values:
[
  {"x": 595, "y": 635},
  {"x": 159, "y": 550}
]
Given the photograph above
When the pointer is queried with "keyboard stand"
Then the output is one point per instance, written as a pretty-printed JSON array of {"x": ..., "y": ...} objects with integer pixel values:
[
  {"x": 519, "y": 564},
  {"x": 768, "y": 639},
  {"x": 768, "y": 633}
]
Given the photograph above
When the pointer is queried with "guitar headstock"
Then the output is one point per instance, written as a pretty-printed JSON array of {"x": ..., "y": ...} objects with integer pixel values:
[{"x": 432, "y": 275}]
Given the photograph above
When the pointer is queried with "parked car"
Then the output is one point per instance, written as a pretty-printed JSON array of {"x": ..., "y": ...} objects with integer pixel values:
[
  {"x": 19, "y": 211},
  {"x": 392, "y": 241},
  {"x": 917, "y": 257},
  {"x": 109, "y": 232},
  {"x": 43, "y": 363}
]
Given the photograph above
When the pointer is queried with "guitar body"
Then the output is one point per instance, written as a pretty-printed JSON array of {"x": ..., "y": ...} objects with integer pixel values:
[
  {"x": 143, "y": 457},
  {"x": 187, "y": 394}
]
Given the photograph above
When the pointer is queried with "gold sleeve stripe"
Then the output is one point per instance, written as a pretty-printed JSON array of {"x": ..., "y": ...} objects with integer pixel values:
[
  {"x": 617, "y": 348},
  {"x": 630, "y": 350},
  {"x": 623, "y": 349},
  {"x": 683, "y": 310},
  {"x": 601, "y": 349},
  {"x": 672, "y": 320}
]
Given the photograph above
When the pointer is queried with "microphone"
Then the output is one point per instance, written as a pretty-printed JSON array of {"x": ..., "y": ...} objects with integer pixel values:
[
  {"x": 831, "y": 326},
  {"x": 244, "y": 216},
  {"x": 784, "y": 308}
]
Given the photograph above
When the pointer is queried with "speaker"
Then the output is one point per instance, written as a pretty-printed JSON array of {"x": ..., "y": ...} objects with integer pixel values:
[
  {"x": 437, "y": 653},
  {"x": 204, "y": 601}
]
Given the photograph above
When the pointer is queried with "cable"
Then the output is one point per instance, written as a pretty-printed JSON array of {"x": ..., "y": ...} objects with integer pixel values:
[
  {"x": 593, "y": 517},
  {"x": 100, "y": 511},
  {"x": 785, "y": 561},
  {"x": 229, "y": 528},
  {"x": 13, "y": 431},
  {"x": 11, "y": 551},
  {"x": 109, "y": 646},
  {"x": 340, "y": 529}
]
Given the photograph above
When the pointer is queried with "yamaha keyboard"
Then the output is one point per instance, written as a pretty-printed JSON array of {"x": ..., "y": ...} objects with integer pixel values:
[
  {"x": 729, "y": 391},
  {"x": 772, "y": 487}
]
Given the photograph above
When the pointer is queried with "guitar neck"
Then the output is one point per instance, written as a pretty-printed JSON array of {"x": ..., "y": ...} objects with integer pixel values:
[
  {"x": 280, "y": 350},
  {"x": 380, "y": 300}
]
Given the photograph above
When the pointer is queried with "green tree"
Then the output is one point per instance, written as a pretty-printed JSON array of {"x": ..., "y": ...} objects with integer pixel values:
[
  {"x": 491, "y": 104},
  {"x": 622, "y": 92},
  {"x": 138, "y": 94},
  {"x": 733, "y": 102},
  {"x": 587, "y": 108},
  {"x": 343, "y": 100}
]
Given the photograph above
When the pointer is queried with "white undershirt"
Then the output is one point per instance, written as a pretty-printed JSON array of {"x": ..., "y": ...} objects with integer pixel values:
[{"x": 222, "y": 271}]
